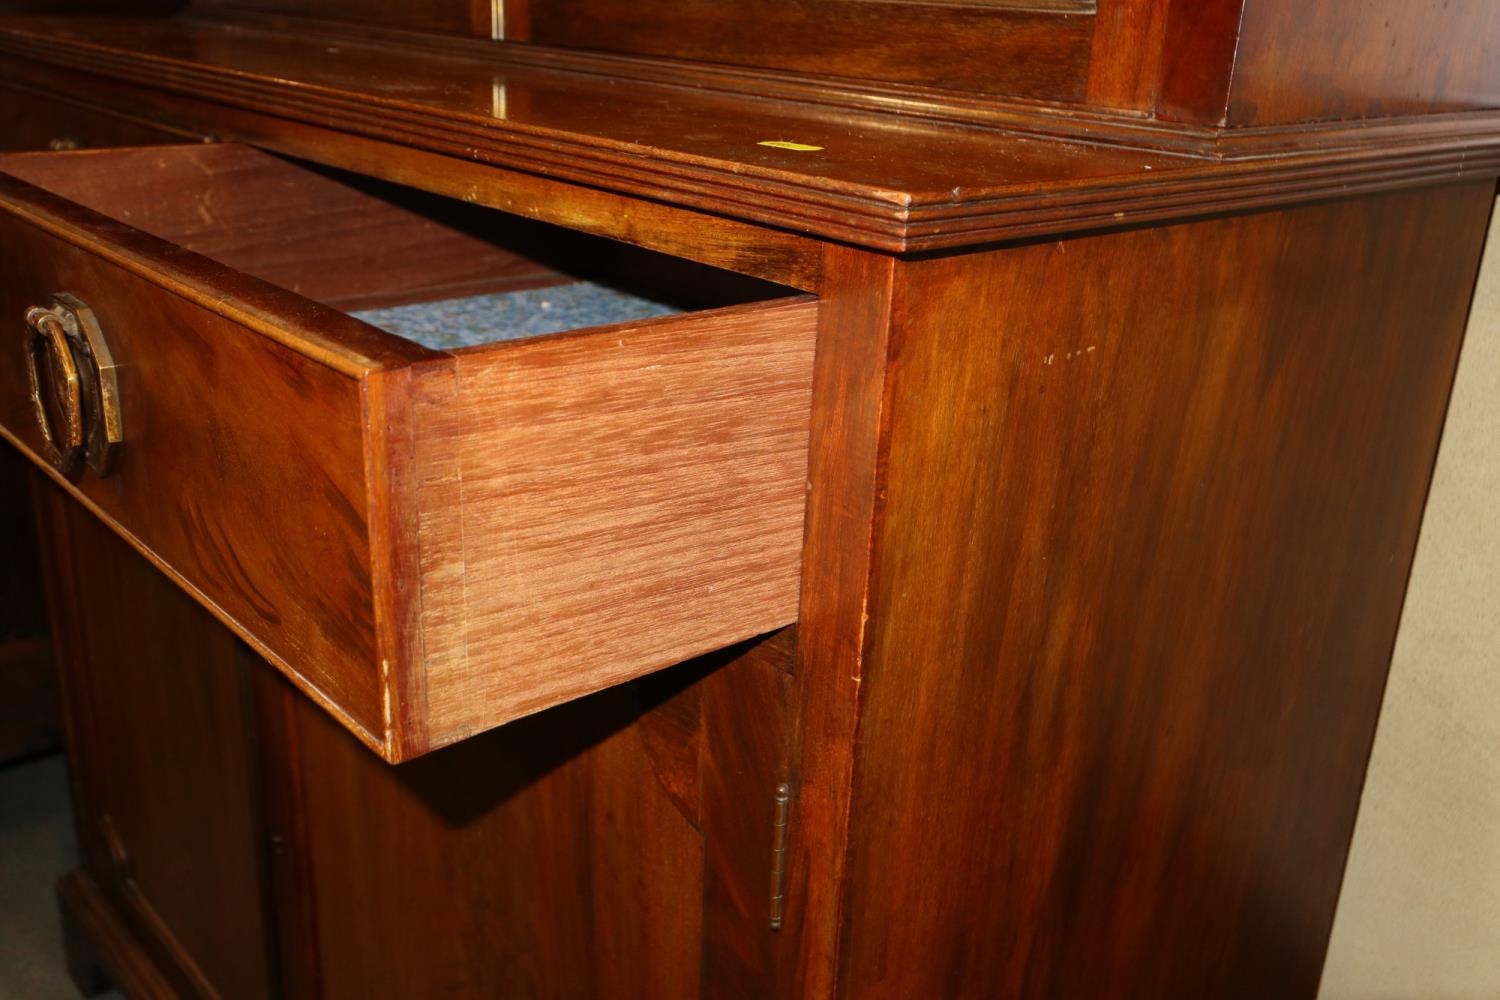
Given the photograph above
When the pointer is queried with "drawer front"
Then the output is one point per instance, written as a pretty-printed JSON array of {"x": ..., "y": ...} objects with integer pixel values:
[{"x": 242, "y": 471}]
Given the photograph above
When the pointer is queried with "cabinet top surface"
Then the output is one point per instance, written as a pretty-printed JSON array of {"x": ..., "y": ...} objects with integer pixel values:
[{"x": 895, "y": 179}]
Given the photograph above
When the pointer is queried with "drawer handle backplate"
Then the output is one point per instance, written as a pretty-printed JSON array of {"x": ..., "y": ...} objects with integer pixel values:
[{"x": 75, "y": 387}]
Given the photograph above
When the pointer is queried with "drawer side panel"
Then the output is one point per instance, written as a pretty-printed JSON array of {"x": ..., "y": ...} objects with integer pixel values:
[{"x": 618, "y": 501}]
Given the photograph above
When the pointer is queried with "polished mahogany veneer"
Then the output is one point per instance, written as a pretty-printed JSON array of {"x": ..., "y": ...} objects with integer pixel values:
[{"x": 1070, "y": 371}]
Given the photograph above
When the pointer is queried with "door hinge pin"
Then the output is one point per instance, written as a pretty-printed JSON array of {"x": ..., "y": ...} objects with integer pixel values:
[{"x": 778, "y": 854}]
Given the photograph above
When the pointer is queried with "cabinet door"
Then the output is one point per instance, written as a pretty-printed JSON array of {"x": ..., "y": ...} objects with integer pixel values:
[
  {"x": 616, "y": 846},
  {"x": 160, "y": 751}
]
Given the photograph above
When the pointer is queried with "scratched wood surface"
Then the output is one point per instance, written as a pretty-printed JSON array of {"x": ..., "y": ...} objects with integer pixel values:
[{"x": 325, "y": 237}]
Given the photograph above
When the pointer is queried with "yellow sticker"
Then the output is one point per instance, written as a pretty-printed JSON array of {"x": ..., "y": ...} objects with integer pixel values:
[{"x": 797, "y": 147}]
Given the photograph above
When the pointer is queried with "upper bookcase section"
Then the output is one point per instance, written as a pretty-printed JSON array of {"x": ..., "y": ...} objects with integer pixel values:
[{"x": 1206, "y": 62}]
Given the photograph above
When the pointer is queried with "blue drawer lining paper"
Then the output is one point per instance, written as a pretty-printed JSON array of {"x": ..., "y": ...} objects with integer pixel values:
[{"x": 487, "y": 319}]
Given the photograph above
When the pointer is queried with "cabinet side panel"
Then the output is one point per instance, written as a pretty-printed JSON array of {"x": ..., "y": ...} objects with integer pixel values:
[
  {"x": 1152, "y": 498},
  {"x": 1303, "y": 60}
]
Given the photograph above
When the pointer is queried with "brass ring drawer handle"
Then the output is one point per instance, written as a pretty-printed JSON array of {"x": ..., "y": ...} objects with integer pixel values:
[
  {"x": 74, "y": 386},
  {"x": 57, "y": 397}
]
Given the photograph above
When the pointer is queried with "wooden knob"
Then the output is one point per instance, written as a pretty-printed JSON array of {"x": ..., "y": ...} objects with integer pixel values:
[{"x": 56, "y": 389}]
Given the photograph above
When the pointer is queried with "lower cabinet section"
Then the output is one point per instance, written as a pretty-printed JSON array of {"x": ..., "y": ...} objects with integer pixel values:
[{"x": 238, "y": 842}]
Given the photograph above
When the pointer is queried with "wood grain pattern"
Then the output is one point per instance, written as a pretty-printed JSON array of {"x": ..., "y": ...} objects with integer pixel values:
[
  {"x": 210, "y": 456},
  {"x": 1126, "y": 53},
  {"x": 854, "y": 342},
  {"x": 609, "y": 502},
  {"x": 1266, "y": 62},
  {"x": 1023, "y": 53},
  {"x": 566, "y": 855},
  {"x": 159, "y": 748},
  {"x": 1150, "y": 503},
  {"x": 283, "y": 824},
  {"x": 1312, "y": 59},
  {"x": 33, "y": 120},
  {"x": 552, "y": 123},
  {"x": 747, "y": 711},
  {"x": 1198, "y": 60},
  {"x": 28, "y": 690},
  {"x": 1104, "y": 543},
  {"x": 567, "y": 512},
  {"x": 781, "y": 257},
  {"x": 100, "y": 949},
  {"x": 344, "y": 243},
  {"x": 888, "y": 181},
  {"x": 570, "y": 870},
  {"x": 469, "y": 18}
]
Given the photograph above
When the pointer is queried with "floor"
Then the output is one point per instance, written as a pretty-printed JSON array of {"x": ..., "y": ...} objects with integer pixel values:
[{"x": 36, "y": 846}]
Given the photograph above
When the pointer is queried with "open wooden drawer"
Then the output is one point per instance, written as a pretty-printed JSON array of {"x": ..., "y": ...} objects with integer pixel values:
[{"x": 429, "y": 540}]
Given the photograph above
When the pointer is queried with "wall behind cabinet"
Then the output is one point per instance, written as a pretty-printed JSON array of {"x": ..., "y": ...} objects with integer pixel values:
[{"x": 1419, "y": 916}]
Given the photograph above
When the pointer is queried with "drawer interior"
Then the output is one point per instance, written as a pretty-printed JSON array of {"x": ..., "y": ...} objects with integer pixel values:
[{"x": 436, "y": 271}]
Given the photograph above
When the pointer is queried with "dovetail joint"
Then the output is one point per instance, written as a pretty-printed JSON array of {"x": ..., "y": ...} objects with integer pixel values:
[{"x": 778, "y": 854}]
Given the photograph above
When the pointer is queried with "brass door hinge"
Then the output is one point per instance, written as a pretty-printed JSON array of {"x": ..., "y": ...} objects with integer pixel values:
[{"x": 778, "y": 854}]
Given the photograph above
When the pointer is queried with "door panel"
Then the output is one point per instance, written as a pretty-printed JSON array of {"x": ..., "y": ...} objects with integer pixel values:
[{"x": 159, "y": 741}]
